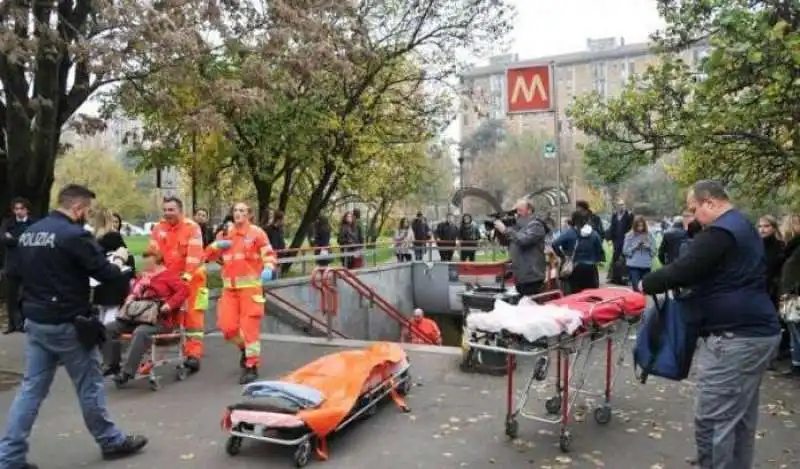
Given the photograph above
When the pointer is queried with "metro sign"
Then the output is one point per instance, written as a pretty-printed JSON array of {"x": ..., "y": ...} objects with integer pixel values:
[{"x": 529, "y": 89}]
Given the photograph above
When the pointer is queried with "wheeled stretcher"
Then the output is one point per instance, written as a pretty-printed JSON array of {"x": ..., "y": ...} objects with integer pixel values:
[
  {"x": 166, "y": 349},
  {"x": 568, "y": 329},
  {"x": 305, "y": 407}
]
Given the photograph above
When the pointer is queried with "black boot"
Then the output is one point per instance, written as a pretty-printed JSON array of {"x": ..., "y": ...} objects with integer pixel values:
[
  {"x": 193, "y": 364},
  {"x": 243, "y": 360},
  {"x": 249, "y": 374},
  {"x": 131, "y": 445},
  {"x": 792, "y": 373},
  {"x": 121, "y": 379},
  {"x": 111, "y": 370}
]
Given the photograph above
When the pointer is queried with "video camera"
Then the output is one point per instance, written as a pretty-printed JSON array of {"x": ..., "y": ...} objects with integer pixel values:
[{"x": 509, "y": 218}]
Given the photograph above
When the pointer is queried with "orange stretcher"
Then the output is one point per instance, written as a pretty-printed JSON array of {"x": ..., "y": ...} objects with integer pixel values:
[{"x": 319, "y": 399}]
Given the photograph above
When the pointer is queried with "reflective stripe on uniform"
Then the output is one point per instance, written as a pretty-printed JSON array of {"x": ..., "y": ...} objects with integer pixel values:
[
  {"x": 195, "y": 333},
  {"x": 241, "y": 282},
  {"x": 253, "y": 349}
]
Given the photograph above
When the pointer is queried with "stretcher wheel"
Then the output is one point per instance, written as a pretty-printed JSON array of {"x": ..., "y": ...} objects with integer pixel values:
[
  {"x": 512, "y": 428},
  {"x": 602, "y": 415},
  {"x": 405, "y": 387},
  {"x": 155, "y": 383},
  {"x": 183, "y": 373},
  {"x": 540, "y": 369},
  {"x": 553, "y": 405},
  {"x": 302, "y": 454},
  {"x": 565, "y": 441},
  {"x": 234, "y": 445}
]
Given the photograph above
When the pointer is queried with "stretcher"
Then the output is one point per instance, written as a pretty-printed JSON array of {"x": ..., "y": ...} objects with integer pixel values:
[
  {"x": 569, "y": 328},
  {"x": 305, "y": 407},
  {"x": 165, "y": 350}
]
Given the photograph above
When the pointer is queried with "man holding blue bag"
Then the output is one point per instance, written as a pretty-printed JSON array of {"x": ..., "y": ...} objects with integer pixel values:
[{"x": 730, "y": 310}]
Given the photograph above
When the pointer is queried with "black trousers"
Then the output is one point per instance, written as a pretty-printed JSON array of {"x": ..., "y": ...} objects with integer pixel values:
[
  {"x": 584, "y": 277},
  {"x": 467, "y": 255},
  {"x": 529, "y": 288},
  {"x": 446, "y": 255},
  {"x": 13, "y": 287}
]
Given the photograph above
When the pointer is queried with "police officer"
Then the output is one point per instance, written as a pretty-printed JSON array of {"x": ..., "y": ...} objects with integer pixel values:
[{"x": 57, "y": 257}]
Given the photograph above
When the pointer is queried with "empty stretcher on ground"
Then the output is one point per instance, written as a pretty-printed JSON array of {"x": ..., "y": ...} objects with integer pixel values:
[
  {"x": 570, "y": 328},
  {"x": 303, "y": 408}
]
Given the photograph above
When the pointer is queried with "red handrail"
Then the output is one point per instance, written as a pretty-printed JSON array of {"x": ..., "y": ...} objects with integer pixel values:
[
  {"x": 366, "y": 291},
  {"x": 329, "y": 293},
  {"x": 315, "y": 280},
  {"x": 297, "y": 311}
]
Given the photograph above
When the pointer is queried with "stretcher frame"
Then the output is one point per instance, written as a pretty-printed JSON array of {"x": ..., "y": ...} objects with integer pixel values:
[
  {"x": 158, "y": 357},
  {"x": 571, "y": 352},
  {"x": 307, "y": 443}
]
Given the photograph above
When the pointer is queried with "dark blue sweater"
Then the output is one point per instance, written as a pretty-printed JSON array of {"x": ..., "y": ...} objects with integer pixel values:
[{"x": 589, "y": 248}]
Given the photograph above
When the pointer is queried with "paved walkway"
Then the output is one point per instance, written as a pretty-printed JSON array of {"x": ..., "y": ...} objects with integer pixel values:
[{"x": 456, "y": 422}]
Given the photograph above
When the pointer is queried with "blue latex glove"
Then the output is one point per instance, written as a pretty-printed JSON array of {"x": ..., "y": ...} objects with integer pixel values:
[
  {"x": 222, "y": 244},
  {"x": 267, "y": 275}
]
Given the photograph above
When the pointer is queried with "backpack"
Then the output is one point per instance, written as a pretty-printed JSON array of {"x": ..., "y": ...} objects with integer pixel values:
[{"x": 666, "y": 341}]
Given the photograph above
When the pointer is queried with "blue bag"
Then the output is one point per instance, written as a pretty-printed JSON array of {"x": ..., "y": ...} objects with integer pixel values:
[{"x": 666, "y": 341}]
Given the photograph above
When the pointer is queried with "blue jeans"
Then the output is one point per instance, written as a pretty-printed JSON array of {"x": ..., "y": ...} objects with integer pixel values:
[
  {"x": 794, "y": 333},
  {"x": 46, "y": 347},
  {"x": 635, "y": 275}
]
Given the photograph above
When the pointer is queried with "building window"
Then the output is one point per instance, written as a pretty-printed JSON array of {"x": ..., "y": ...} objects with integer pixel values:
[
  {"x": 496, "y": 83},
  {"x": 699, "y": 56},
  {"x": 599, "y": 78},
  {"x": 628, "y": 70}
]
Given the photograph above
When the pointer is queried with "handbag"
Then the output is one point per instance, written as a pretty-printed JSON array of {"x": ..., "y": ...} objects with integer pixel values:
[
  {"x": 140, "y": 312},
  {"x": 568, "y": 266},
  {"x": 790, "y": 308}
]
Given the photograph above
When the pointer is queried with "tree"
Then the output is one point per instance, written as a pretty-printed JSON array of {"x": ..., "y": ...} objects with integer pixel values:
[
  {"x": 485, "y": 139},
  {"x": 305, "y": 113},
  {"x": 55, "y": 54},
  {"x": 517, "y": 167},
  {"x": 734, "y": 115},
  {"x": 96, "y": 168}
]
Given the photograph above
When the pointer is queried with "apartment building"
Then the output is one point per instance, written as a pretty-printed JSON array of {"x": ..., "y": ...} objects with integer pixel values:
[{"x": 605, "y": 67}]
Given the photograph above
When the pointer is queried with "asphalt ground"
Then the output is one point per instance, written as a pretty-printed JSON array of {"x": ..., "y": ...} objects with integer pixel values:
[{"x": 457, "y": 421}]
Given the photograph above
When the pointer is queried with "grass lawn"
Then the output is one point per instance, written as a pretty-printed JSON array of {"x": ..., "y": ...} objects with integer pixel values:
[{"x": 382, "y": 254}]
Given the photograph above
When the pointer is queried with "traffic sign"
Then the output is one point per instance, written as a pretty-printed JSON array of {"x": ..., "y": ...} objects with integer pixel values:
[
  {"x": 529, "y": 89},
  {"x": 549, "y": 150}
]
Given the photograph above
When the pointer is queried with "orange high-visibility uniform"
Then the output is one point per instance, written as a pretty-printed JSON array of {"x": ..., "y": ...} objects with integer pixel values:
[
  {"x": 428, "y": 327},
  {"x": 181, "y": 245},
  {"x": 242, "y": 305}
]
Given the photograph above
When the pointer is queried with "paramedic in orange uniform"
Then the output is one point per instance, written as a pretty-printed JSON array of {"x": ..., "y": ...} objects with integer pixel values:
[
  {"x": 180, "y": 242},
  {"x": 425, "y": 325},
  {"x": 248, "y": 261}
]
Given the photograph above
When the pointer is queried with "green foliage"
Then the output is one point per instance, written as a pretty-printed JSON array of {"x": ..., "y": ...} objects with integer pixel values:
[
  {"x": 115, "y": 187},
  {"x": 610, "y": 163},
  {"x": 732, "y": 116},
  {"x": 343, "y": 103}
]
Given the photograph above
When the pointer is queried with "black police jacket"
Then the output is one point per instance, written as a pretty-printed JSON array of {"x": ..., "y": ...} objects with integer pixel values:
[{"x": 56, "y": 258}]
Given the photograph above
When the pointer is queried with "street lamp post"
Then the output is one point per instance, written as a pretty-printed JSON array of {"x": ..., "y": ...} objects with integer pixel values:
[{"x": 461, "y": 178}]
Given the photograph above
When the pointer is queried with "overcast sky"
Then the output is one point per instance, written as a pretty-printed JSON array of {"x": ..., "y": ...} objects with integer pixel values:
[
  {"x": 550, "y": 27},
  {"x": 559, "y": 26}
]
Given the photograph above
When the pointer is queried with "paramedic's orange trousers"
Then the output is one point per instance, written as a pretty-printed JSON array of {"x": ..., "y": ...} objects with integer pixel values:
[
  {"x": 240, "y": 311},
  {"x": 194, "y": 319}
]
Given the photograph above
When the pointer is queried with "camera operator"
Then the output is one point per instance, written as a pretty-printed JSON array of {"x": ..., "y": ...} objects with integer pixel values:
[
  {"x": 526, "y": 247},
  {"x": 57, "y": 256}
]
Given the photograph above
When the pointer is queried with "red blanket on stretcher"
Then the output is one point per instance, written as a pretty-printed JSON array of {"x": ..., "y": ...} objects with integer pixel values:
[{"x": 603, "y": 305}]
